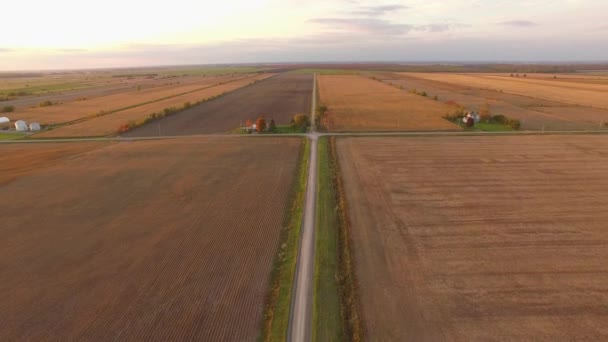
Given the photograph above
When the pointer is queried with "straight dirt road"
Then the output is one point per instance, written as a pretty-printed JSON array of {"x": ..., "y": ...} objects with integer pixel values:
[{"x": 301, "y": 308}]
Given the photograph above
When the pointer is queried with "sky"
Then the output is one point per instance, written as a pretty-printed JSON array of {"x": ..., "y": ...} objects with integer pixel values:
[{"x": 70, "y": 34}]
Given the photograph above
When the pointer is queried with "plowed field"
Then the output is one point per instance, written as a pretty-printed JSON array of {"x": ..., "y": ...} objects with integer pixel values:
[
  {"x": 356, "y": 103},
  {"x": 138, "y": 241},
  {"x": 76, "y": 109},
  {"x": 480, "y": 238},
  {"x": 279, "y": 97},
  {"x": 109, "y": 124}
]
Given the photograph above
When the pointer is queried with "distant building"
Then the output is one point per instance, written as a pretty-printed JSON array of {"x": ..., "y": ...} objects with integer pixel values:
[
  {"x": 34, "y": 126},
  {"x": 21, "y": 126},
  {"x": 5, "y": 123}
]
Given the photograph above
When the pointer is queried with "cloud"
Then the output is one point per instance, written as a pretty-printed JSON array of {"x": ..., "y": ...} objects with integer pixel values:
[
  {"x": 5, "y": 50},
  {"x": 70, "y": 50},
  {"x": 364, "y": 25},
  {"x": 518, "y": 23},
  {"x": 373, "y": 11},
  {"x": 441, "y": 27},
  {"x": 381, "y": 27}
]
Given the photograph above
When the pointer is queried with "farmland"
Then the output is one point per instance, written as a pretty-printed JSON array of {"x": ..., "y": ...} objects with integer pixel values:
[
  {"x": 539, "y": 101},
  {"x": 25, "y": 89},
  {"x": 143, "y": 240},
  {"x": 279, "y": 98},
  {"x": 474, "y": 238},
  {"x": 356, "y": 103},
  {"x": 109, "y": 124},
  {"x": 78, "y": 109}
]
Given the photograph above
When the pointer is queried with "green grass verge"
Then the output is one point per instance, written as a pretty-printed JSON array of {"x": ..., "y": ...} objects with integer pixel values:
[
  {"x": 278, "y": 302},
  {"x": 287, "y": 129},
  {"x": 11, "y": 136},
  {"x": 492, "y": 127},
  {"x": 281, "y": 129},
  {"x": 327, "y": 321}
]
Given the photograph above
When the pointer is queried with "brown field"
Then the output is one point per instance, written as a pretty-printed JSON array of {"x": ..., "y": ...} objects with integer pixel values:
[
  {"x": 575, "y": 78},
  {"x": 78, "y": 109},
  {"x": 480, "y": 238},
  {"x": 593, "y": 95},
  {"x": 278, "y": 98},
  {"x": 18, "y": 160},
  {"x": 357, "y": 103},
  {"x": 109, "y": 124},
  {"x": 152, "y": 240},
  {"x": 563, "y": 116}
]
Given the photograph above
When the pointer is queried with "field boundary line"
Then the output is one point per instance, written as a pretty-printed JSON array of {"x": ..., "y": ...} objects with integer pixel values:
[{"x": 350, "y": 307}]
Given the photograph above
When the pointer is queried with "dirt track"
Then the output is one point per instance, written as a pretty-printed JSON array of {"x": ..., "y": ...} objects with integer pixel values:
[
  {"x": 480, "y": 238},
  {"x": 279, "y": 97},
  {"x": 151, "y": 240}
]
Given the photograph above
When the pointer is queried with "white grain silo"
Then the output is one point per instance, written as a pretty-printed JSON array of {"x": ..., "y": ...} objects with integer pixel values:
[
  {"x": 5, "y": 123},
  {"x": 34, "y": 126},
  {"x": 21, "y": 126}
]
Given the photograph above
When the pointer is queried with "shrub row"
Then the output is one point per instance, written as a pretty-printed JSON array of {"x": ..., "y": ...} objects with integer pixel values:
[{"x": 7, "y": 109}]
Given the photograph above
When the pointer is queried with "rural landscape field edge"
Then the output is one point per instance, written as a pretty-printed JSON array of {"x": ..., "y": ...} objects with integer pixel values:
[
  {"x": 350, "y": 309},
  {"x": 327, "y": 320},
  {"x": 278, "y": 302}
]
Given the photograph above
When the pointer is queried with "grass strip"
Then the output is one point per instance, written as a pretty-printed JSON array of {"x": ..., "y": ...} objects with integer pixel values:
[
  {"x": 327, "y": 319},
  {"x": 346, "y": 279},
  {"x": 278, "y": 301},
  {"x": 11, "y": 136}
]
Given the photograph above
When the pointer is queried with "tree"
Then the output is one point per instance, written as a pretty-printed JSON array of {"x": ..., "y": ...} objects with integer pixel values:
[
  {"x": 301, "y": 121},
  {"x": 272, "y": 127},
  {"x": 260, "y": 125}
]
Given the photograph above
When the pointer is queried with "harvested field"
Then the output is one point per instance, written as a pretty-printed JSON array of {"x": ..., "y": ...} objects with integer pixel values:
[
  {"x": 594, "y": 116},
  {"x": 279, "y": 97},
  {"x": 480, "y": 238},
  {"x": 109, "y": 124},
  {"x": 77, "y": 109},
  {"x": 558, "y": 77},
  {"x": 593, "y": 95},
  {"x": 527, "y": 109},
  {"x": 20, "y": 159},
  {"x": 150, "y": 240},
  {"x": 358, "y": 103}
]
